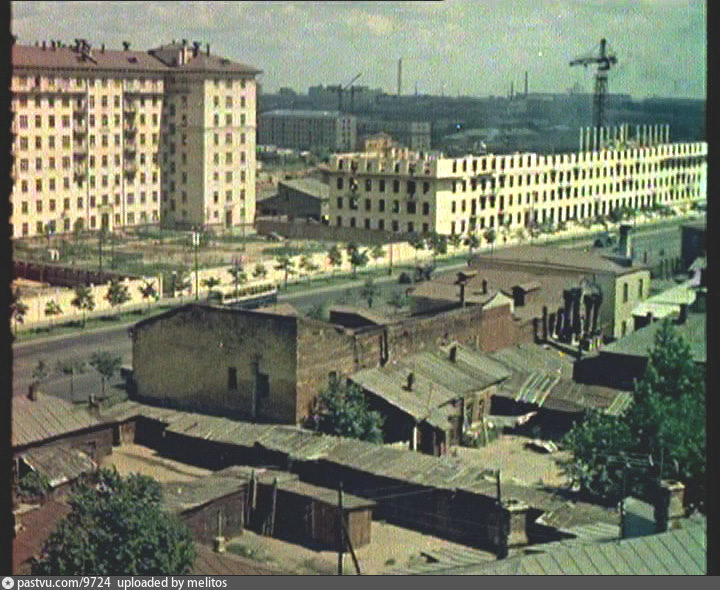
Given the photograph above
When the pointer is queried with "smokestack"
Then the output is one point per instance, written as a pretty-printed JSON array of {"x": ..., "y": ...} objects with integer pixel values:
[
  {"x": 399, "y": 77},
  {"x": 512, "y": 90},
  {"x": 526, "y": 83}
]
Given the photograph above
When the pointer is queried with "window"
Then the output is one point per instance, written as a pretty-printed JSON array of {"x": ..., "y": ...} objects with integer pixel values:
[
  {"x": 396, "y": 186},
  {"x": 339, "y": 203},
  {"x": 381, "y": 205},
  {"x": 340, "y": 182},
  {"x": 625, "y": 293},
  {"x": 381, "y": 188},
  {"x": 368, "y": 185},
  {"x": 640, "y": 289}
]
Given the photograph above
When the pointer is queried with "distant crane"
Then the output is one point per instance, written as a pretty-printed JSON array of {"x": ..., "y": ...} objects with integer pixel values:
[
  {"x": 604, "y": 60},
  {"x": 341, "y": 89}
]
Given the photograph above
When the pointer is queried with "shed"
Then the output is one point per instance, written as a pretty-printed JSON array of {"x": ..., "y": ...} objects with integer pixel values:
[{"x": 309, "y": 512}]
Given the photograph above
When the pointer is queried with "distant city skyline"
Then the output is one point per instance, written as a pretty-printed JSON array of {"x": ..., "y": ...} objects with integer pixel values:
[{"x": 456, "y": 47}]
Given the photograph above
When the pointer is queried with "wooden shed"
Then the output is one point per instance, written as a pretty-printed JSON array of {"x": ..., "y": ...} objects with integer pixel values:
[{"x": 308, "y": 513}]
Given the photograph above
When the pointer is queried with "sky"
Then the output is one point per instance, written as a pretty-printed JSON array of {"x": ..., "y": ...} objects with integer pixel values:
[{"x": 455, "y": 47}]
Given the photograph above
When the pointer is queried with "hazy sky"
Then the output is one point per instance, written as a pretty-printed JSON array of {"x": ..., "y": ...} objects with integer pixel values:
[{"x": 468, "y": 47}]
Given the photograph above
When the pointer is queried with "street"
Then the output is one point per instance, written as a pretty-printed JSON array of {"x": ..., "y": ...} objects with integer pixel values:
[{"x": 117, "y": 340}]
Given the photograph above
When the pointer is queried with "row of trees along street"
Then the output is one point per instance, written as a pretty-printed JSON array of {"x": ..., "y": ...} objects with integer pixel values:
[{"x": 104, "y": 362}]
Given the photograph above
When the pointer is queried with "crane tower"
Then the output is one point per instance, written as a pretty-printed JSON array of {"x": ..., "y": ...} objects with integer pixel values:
[{"x": 604, "y": 60}]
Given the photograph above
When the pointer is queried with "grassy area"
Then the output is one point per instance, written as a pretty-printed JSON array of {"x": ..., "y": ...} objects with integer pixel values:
[{"x": 74, "y": 327}]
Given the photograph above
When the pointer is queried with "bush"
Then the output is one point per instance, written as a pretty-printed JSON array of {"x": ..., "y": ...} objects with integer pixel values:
[{"x": 33, "y": 484}]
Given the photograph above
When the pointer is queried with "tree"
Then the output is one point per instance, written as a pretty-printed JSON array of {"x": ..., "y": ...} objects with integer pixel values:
[
  {"x": 455, "y": 240},
  {"x": 84, "y": 300},
  {"x": 210, "y": 283},
  {"x": 307, "y": 265},
  {"x": 71, "y": 367},
  {"x": 342, "y": 410},
  {"x": 117, "y": 293},
  {"x": 40, "y": 372},
  {"x": 398, "y": 300},
  {"x": 319, "y": 311},
  {"x": 665, "y": 424},
  {"x": 369, "y": 291},
  {"x": 105, "y": 363},
  {"x": 260, "y": 272},
  {"x": 52, "y": 308},
  {"x": 285, "y": 264},
  {"x": 438, "y": 244},
  {"x": 490, "y": 236},
  {"x": 18, "y": 310},
  {"x": 377, "y": 253},
  {"x": 335, "y": 257},
  {"x": 148, "y": 292},
  {"x": 239, "y": 276},
  {"x": 472, "y": 241},
  {"x": 117, "y": 526},
  {"x": 418, "y": 243},
  {"x": 358, "y": 259}
]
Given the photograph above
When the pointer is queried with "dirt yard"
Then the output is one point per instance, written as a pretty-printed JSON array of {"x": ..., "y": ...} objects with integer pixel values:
[
  {"x": 516, "y": 463},
  {"x": 390, "y": 548}
]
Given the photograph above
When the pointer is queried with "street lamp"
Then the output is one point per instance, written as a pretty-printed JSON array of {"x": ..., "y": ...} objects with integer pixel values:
[{"x": 196, "y": 245}]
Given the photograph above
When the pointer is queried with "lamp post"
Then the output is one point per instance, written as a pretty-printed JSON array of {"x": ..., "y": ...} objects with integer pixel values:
[{"x": 196, "y": 245}]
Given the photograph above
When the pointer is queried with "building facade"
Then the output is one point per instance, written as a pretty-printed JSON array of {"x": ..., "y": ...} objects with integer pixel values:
[
  {"x": 306, "y": 130},
  {"x": 418, "y": 192},
  {"x": 113, "y": 139},
  {"x": 412, "y": 134}
]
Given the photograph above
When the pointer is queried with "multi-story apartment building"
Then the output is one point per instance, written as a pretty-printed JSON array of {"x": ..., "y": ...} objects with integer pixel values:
[
  {"x": 411, "y": 192},
  {"x": 112, "y": 139},
  {"x": 307, "y": 130}
]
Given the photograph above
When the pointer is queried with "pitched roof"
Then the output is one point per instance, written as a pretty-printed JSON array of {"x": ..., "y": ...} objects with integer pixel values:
[
  {"x": 59, "y": 464},
  {"x": 37, "y": 525},
  {"x": 680, "y": 551},
  {"x": 46, "y": 418},
  {"x": 308, "y": 185},
  {"x": 549, "y": 256},
  {"x": 66, "y": 58}
]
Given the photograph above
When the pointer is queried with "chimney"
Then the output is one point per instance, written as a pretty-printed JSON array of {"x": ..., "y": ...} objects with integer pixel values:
[
  {"x": 126, "y": 45},
  {"x": 207, "y": 49},
  {"x": 43, "y": 45},
  {"x": 625, "y": 246},
  {"x": 32, "y": 392},
  {"x": 518, "y": 296},
  {"x": 102, "y": 48},
  {"x": 669, "y": 505},
  {"x": 196, "y": 48},
  {"x": 484, "y": 287},
  {"x": 410, "y": 381},
  {"x": 453, "y": 354},
  {"x": 682, "y": 318},
  {"x": 52, "y": 45}
]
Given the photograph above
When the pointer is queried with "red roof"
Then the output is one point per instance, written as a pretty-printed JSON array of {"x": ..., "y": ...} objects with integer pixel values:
[{"x": 36, "y": 528}]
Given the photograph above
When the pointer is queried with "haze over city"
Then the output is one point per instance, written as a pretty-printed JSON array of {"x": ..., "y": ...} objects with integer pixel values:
[{"x": 456, "y": 47}]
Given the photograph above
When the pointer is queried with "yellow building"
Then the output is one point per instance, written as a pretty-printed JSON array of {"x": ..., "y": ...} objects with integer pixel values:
[
  {"x": 116, "y": 139},
  {"x": 411, "y": 192}
]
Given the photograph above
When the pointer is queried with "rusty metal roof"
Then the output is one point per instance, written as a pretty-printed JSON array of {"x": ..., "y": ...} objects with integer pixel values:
[
  {"x": 46, "y": 418},
  {"x": 59, "y": 464}
]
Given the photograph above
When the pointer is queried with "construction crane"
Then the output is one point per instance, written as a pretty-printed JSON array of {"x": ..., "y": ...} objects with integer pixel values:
[
  {"x": 604, "y": 60},
  {"x": 341, "y": 89}
]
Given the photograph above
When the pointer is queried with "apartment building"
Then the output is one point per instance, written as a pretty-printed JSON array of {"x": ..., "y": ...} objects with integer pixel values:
[
  {"x": 114, "y": 139},
  {"x": 307, "y": 130},
  {"x": 419, "y": 192}
]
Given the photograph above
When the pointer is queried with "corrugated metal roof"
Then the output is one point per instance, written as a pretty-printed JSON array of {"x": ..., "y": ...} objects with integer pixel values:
[
  {"x": 59, "y": 464},
  {"x": 47, "y": 417},
  {"x": 676, "y": 552}
]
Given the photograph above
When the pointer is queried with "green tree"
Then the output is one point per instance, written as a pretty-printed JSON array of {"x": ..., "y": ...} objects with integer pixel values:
[
  {"x": 335, "y": 257},
  {"x": 18, "y": 310},
  {"x": 472, "y": 241},
  {"x": 398, "y": 300},
  {"x": 307, "y": 265},
  {"x": 148, "y": 292},
  {"x": 260, "y": 272},
  {"x": 665, "y": 422},
  {"x": 210, "y": 283},
  {"x": 52, "y": 309},
  {"x": 418, "y": 243},
  {"x": 117, "y": 526},
  {"x": 490, "y": 236},
  {"x": 117, "y": 293},
  {"x": 84, "y": 300},
  {"x": 106, "y": 363},
  {"x": 285, "y": 264},
  {"x": 455, "y": 240},
  {"x": 72, "y": 367},
  {"x": 342, "y": 410},
  {"x": 377, "y": 253},
  {"x": 358, "y": 259},
  {"x": 438, "y": 244},
  {"x": 239, "y": 276},
  {"x": 369, "y": 292}
]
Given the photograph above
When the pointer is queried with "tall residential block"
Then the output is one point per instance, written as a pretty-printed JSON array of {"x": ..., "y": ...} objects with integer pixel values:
[
  {"x": 114, "y": 139},
  {"x": 307, "y": 130},
  {"x": 414, "y": 192}
]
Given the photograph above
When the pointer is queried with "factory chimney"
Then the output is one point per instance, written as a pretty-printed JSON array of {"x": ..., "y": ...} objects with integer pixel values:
[
  {"x": 399, "y": 77},
  {"x": 526, "y": 83}
]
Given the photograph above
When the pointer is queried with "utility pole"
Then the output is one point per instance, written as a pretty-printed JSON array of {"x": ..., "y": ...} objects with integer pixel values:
[
  {"x": 340, "y": 530},
  {"x": 196, "y": 245}
]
